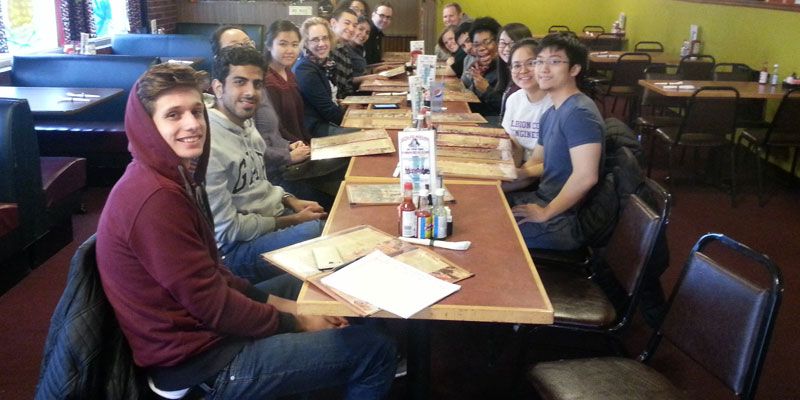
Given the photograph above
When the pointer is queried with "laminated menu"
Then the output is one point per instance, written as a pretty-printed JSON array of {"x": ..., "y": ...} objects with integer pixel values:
[
  {"x": 373, "y": 141},
  {"x": 309, "y": 260}
]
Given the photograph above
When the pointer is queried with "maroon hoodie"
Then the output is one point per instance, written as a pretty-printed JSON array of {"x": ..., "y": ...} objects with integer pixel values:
[{"x": 158, "y": 259}]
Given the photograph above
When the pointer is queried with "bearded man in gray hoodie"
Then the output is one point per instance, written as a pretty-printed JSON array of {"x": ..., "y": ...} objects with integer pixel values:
[{"x": 251, "y": 216}]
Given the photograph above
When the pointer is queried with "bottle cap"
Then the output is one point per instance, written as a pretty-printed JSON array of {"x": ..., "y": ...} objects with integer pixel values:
[
  {"x": 440, "y": 192},
  {"x": 408, "y": 186}
]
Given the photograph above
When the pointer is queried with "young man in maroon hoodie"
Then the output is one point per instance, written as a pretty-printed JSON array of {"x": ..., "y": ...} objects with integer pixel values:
[{"x": 190, "y": 323}]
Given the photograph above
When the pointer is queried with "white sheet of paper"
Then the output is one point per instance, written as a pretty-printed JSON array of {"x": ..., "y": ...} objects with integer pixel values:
[{"x": 390, "y": 284}]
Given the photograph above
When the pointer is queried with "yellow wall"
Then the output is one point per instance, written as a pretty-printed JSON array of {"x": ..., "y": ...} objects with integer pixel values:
[
  {"x": 539, "y": 15},
  {"x": 730, "y": 33}
]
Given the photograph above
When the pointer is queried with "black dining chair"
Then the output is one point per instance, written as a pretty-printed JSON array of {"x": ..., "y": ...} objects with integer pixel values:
[
  {"x": 751, "y": 111},
  {"x": 605, "y": 42},
  {"x": 558, "y": 28},
  {"x": 709, "y": 122},
  {"x": 717, "y": 316},
  {"x": 696, "y": 67},
  {"x": 783, "y": 131},
  {"x": 661, "y": 111},
  {"x": 648, "y": 46},
  {"x": 593, "y": 29},
  {"x": 624, "y": 82},
  {"x": 604, "y": 302}
]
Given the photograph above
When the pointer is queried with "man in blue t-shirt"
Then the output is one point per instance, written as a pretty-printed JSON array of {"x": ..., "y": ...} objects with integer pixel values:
[{"x": 568, "y": 150}]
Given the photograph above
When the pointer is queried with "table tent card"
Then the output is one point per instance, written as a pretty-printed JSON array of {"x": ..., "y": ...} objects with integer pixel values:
[{"x": 417, "y": 158}]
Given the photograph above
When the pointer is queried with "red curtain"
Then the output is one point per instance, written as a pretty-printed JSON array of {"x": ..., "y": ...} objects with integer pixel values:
[
  {"x": 136, "y": 15},
  {"x": 76, "y": 17}
]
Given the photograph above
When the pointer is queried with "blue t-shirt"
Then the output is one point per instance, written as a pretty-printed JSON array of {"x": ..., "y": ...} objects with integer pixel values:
[{"x": 576, "y": 122}]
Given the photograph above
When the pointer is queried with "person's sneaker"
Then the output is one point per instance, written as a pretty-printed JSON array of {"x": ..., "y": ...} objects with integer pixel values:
[{"x": 402, "y": 367}]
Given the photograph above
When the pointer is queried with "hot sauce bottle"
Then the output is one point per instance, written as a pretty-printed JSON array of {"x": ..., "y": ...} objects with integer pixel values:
[{"x": 407, "y": 219}]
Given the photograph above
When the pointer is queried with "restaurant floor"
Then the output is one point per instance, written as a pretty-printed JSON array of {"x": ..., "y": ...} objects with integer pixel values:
[{"x": 486, "y": 361}]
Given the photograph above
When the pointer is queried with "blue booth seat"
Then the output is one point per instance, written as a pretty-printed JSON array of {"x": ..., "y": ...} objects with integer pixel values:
[
  {"x": 95, "y": 71},
  {"x": 164, "y": 46},
  {"x": 97, "y": 134}
]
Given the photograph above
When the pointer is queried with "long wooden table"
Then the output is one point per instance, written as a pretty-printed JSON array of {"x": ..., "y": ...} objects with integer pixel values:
[
  {"x": 747, "y": 90},
  {"x": 505, "y": 288},
  {"x": 55, "y": 100}
]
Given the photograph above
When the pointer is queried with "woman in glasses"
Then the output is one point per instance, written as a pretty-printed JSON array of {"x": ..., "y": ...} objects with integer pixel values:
[
  {"x": 510, "y": 34},
  {"x": 482, "y": 74},
  {"x": 525, "y": 106},
  {"x": 314, "y": 71}
]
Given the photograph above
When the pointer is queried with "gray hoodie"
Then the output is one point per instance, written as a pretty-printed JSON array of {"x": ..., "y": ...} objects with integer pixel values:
[{"x": 241, "y": 198}]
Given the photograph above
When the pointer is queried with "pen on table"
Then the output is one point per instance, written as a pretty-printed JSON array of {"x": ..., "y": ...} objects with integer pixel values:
[
  {"x": 75, "y": 99},
  {"x": 338, "y": 267},
  {"x": 81, "y": 95}
]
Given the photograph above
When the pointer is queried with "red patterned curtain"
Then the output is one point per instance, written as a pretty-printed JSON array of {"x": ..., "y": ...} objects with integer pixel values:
[
  {"x": 136, "y": 15},
  {"x": 3, "y": 43},
  {"x": 76, "y": 17}
]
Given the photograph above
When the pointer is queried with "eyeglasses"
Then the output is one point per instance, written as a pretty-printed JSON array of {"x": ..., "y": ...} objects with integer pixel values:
[
  {"x": 318, "y": 40},
  {"x": 517, "y": 66},
  {"x": 484, "y": 43},
  {"x": 551, "y": 63},
  {"x": 384, "y": 16},
  {"x": 247, "y": 43},
  {"x": 503, "y": 43}
]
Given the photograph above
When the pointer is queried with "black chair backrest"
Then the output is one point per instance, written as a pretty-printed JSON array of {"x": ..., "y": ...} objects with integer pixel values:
[
  {"x": 721, "y": 319},
  {"x": 787, "y": 117},
  {"x": 697, "y": 67},
  {"x": 593, "y": 29},
  {"x": 629, "y": 68},
  {"x": 20, "y": 167},
  {"x": 711, "y": 110},
  {"x": 558, "y": 28},
  {"x": 631, "y": 242},
  {"x": 733, "y": 72},
  {"x": 606, "y": 42},
  {"x": 649, "y": 46}
]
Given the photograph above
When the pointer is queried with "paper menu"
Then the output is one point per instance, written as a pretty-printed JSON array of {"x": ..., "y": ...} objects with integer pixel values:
[{"x": 390, "y": 284}]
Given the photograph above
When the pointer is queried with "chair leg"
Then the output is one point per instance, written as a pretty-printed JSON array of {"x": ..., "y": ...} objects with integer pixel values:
[
  {"x": 733, "y": 175},
  {"x": 650, "y": 156},
  {"x": 759, "y": 174}
]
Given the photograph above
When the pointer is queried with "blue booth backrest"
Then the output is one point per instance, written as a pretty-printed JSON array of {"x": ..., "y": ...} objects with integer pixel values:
[
  {"x": 20, "y": 171},
  {"x": 164, "y": 46},
  {"x": 100, "y": 71},
  {"x": 256, "y": 32}
]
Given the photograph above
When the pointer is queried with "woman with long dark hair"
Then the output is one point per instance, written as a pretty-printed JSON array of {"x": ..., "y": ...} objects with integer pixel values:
[{"x": 510, "y": 34}]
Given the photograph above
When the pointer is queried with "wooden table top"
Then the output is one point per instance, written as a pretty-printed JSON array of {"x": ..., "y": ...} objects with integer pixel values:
[
  {"x": 55, "y": 101},
  {"x": 747, "y": 90},
  {"x": 506, "y": 286},
  {"x": 611, "y": 57}
]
